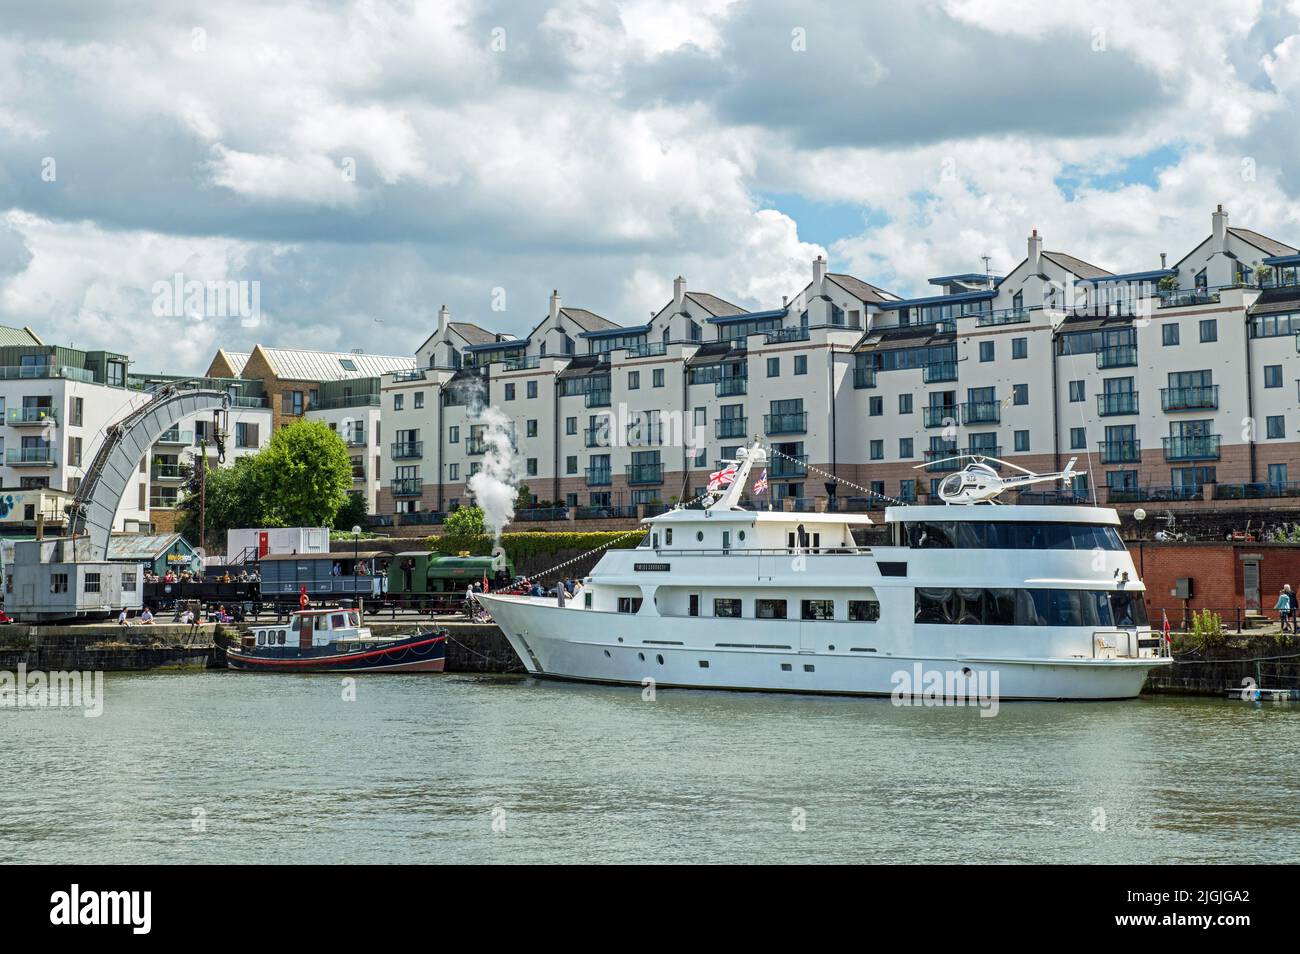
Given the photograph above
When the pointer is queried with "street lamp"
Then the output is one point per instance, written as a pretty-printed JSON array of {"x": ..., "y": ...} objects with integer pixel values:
[{"x": 356, "y": 561}]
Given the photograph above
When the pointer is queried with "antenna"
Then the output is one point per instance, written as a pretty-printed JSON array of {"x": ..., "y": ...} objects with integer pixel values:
[{"x": 988, "y": 277}]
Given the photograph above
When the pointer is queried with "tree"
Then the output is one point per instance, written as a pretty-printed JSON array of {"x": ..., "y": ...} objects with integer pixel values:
[
  {"x": 464, "y": 523},
  {"x": 353, "y": 513},
  {"x": 235, "y": 498},
  {"x": 306, "y": 474}
]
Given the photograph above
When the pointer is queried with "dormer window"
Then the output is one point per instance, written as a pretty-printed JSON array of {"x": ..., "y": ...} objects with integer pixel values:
[{"x": 1018, "y": 301}]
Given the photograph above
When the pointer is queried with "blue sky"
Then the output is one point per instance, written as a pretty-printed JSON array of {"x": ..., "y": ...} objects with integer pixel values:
[{"x": 369, "y": 161}]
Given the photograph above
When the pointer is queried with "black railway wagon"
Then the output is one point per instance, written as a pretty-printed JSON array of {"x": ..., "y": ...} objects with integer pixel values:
[
  {"x": 163, "y": 596},
  {"x": 327, "y": 577}
]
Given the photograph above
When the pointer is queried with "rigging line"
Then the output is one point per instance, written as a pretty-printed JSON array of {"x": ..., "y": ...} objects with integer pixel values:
[{"x": 818, "y": 470}]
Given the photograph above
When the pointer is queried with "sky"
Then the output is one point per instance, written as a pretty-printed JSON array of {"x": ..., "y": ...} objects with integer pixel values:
[{"x": 366, "y": 162}]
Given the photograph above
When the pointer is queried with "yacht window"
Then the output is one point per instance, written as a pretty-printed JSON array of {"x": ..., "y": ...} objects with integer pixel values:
[
  {"x": 818, "y": 609},
  {"x": 864, "y": 611},
  {"x": 354, "y": 619},
  {"x": 261, "y": 638},
  {"x": 338, "y": 621},
  {"x": 654, "y": 540},
  {"x": 727, "y": 607},
  {"x": 769, "y": 609},
  {"x": 668, "y": 537},
  {"x": 1006, "y": 535},
  {"x": 297, "y": 622},
  {"x": 586, "y": 600},
  {"x": 1030, "y": 607},
  {"x": 280, "y": 637},
  {"x": 741, "y": 536},
  {"x": 699, "y": 535},
  {"x": 693, "y": 604},
  {"x": 629, "y": 604}
]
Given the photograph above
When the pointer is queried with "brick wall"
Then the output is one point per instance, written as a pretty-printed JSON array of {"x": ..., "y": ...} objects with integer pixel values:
[{"x": 1216, "y": 571}]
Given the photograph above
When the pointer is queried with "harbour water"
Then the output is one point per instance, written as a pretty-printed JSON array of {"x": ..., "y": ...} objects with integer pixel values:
[{"x": 223, "y": 767}]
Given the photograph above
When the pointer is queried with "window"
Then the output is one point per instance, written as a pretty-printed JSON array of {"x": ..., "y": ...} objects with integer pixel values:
[
  {"x": 59, "y": 582},
  {"x": 77, "y": 409},
  {"x": 905, "y": 404},
  {"x": 769, "y": 609},
  {"x": 398, "y": 401},
  {"x": 74, "y": 451},
  {"x": 453, "y": 434},
  {"x": 1022, "y": 442},
  {"x": 773, "y": 367},
  {"x": 1272, "y": 375},
  {"x": 1020, "y": 393},
  {"x": 629, "y": 604},
  {"x": 246, "y": 434},
  {"x": 453, "y": 471},
  {"x": 92, "y": 582},
  {"x": 510, "y": 392},
  {"x": 818, "y": 609},
  {"x": 1019, "y": 348},
  {"x": 531, "y": 466},
  {"x": 864, "y": 611},
  {"x": 571, "y": 465},
  {"x": 986, "y": 350},
  {"x": 1276, "y": 426},
  {"x": 1169, "y": 334},
  {"x": 1029, "y": 607},
  {"x": 1076, "y": 392},
  {"x": 877, "y": 450},
  {"x": 657, "y": 377},
  {"x": 905, "y": 447},
  {"x": 531, "y": 387},
  {"x": 419, "y": 399},
  {"x": 634, "y": 380},
  {"x": 727, "y": 607},
  {"x": 1277, "y": 475},
  {"x": 530, "y": 428},
  {"x": 801, "y": 364},
  {"x": 1209, "y": 329},
  {"x": 1008, "y": 535},
  {"x": 876, "y": 406}
]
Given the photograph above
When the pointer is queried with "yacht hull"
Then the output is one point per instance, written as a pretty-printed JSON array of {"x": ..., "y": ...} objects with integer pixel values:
[{"x": 577, "y": 644}]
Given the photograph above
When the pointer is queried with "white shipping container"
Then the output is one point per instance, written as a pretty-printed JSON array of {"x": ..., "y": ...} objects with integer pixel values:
[{"x": 277, "y": 540}]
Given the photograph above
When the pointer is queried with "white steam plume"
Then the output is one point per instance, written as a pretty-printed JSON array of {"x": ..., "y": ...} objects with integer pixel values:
[{"x": 495, "y": 486}]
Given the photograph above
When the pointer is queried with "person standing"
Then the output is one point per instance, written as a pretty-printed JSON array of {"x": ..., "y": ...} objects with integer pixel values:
[{"x": 1285, "y": 607}]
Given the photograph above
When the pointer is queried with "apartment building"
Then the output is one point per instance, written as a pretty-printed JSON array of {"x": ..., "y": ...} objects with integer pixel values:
[
  {"x": 340, "y": 388},
  {"x": 1177, "y": 382}
]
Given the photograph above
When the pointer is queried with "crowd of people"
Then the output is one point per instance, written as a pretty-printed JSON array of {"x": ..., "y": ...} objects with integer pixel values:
[
  {"x": 561, "y": 592},
  {"x": 188, "y": 576}
]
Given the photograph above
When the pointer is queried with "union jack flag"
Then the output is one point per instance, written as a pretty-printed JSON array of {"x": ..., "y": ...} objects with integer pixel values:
[
  {"x": 720, "y": 478},
  {"x": 760, "y": 485}
]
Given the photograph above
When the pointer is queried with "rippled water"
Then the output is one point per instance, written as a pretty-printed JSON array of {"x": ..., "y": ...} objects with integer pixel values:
[{"x": 418, "y": 768}]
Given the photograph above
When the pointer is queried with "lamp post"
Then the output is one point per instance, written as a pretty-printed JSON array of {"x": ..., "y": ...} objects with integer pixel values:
[{"x": 356, "y": 561}]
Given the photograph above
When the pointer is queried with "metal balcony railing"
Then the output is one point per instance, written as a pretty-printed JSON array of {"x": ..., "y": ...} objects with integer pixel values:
[
  {"x": 174, "y": 436},
  {"x": 725, "y": 427},
  {"x": 30, "y": 456},
  {"x": 166, "y": 472},
  {"x": 1119, "y": 452},
  {"x": 40, "y": 416},
  {"x": 1199, "y": 447},
  {"x": 787, "y": 334},
  {"x": 936, "y": 460},
  {"x": 645, "y": 473},
  {"x": 596, "y": 398},
  {"x": 599, "y": 477},
  {"x": 407, "y": 450},
  {"x": 1199, "y": 398},
  {"x": 407, "y": 486},
  {"x": 789, "y": 423},
  {"x": 1121, "y": 356},
  {"x": 981, "y": 412},
  {"x": 939, "y": 371},
  {"x": 731, "y": 386},
  {"x": 1119, "y": 402},
  {"x": 864, "y": 378},
  {"x": 940, "y": 415},
  {"x": 596, "y": 436},
  {"x": 791, "y": 465},
  {"x": 1003, "y": 316}
]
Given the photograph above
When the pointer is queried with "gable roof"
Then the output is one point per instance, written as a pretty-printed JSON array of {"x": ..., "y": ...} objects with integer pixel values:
[
  {"x": 301, "y": 365},
  {"x": 1262, "y": 242},
  {"x": 587, "y": 320},
  {"x": 863, "y": 291},
  {"x": 236, "y": 360},
  {"x": 1076, "y": 266},
  {"x": 471, "y": 332},
  {"x": 714, "y": 305},
  {"x": 18, "y": 336}
]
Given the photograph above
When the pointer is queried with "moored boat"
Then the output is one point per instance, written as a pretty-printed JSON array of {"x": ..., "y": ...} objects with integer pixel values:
[{"x": 333, "y": 640}]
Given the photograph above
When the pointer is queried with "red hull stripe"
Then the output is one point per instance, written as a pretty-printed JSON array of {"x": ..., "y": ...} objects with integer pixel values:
[{"x": 350, "y": 658}]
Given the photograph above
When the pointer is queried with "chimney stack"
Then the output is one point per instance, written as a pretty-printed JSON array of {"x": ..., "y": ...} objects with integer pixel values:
[
  {"x": 679, "y": 295},
  {"x": 555, "y": 304},
  {"x": 444, "y": 319},
  {"x": 1164, "y": 260},
  {"x": 819, "y": 276},
  {"x": 1219, "y": 222},
  {"x": 1035, "y": 253}
]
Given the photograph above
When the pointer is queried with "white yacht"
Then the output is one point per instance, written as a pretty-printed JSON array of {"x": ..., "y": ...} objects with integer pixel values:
[{"x": 1038, "y": 602}]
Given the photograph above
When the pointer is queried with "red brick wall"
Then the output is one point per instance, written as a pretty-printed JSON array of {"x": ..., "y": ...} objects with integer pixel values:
[{"x": 1216, "y": 573}]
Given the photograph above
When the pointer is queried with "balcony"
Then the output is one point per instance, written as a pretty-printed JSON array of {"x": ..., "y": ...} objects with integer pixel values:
[
  {"x": 938, "y": 462},
  {"x": 787, "y": 334},
  {"x": 359, "y": 472},
  {"x": 354, "y": 438},
  {"x": 174, "y": 436},
  {"x": 988, "y": 450},
  {"x": 645, "y": 474},
  {"x": 596, "y": 436},
  {"x": 475, "y": 446},
  {"x": 725, "y": 427},
  {"x": 791, "y": 465},
  {"x": 599, "y": 477},
  {"x": 731, "y": 386},
  {"x": 407, "y": 450},
  {"x": 793, "y": 423},
  {"x": 407, "y": 486},
  {"x": 939, "y": 371},
  {"x": 940, "y": 415},
  {"x": 1122, "y": 356},
  {"x": 521, "y": 363},
  {"x": 981, "y": 412},
  {"x": 647, "y": 350},
  {"x": 348, "y": 400},
  {"x": 30, "y": 416},
  {"x": 1202, "y": 398},
  {"x": 30, "y": 456},
  {"x": 1120, "y": 452},
  {"x": 596, "y": 398},
  {"x": 401, "y": 377},
  {"x": 24, "y": 372},
  {"x": 1116, "y": 403},
  {"x": 1199, "y": 447},
  {"x": 644, "y": 434},
  {"x": 864, "y": 378},
  {"x": 166, "y": 472},
  {"x": 1184, "y": 297},
  {"x": 1003, "y": 316},
  {"x": 164, "y": 500}
]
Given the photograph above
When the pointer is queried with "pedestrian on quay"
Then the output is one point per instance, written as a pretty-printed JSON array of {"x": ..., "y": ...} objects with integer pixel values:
[
  {"x": 559, "y": 595},
  {"x": 1285, "y": 607}
]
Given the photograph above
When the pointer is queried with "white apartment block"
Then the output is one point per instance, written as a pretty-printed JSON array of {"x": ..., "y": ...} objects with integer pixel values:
[{"x": 1177, "y": 382}]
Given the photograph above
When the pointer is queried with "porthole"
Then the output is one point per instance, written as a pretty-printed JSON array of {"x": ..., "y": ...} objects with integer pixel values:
[
  {"x": 659, "y": 659},
  {"x": 641, "y": 656},
  {"x": 741, "y": 535},
  {"x": 699, "y": 535},
  {"x": 831, "y": 648},
  {"x": 607, "y": 654}
]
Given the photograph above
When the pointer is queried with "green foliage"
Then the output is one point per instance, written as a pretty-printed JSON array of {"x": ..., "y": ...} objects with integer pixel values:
[
  {"x": 307, "y": 472},
  {"x": 464, "y": 524},
  {"x": 1168, "y": 283},
  {"x": 1207, "y": 628},
  {"x": 353, "y": 513},
  {"x": 520, "y": 546},
  {"x": 235, "y": 498},
  {"x": 524, "y": 498}
]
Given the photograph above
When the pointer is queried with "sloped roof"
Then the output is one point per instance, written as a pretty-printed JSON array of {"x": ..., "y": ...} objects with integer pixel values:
[
  {"x": 301, "y": 365},
  {"x": 587, "y": 320},
  {"x": 1276, "y": 301},
  {"x": 1077, "y": 266},
  {"x": 1263, "y": 242},
  {"x": 18, "y": 336},
  {"x": 714, "y": 305},
  {"x": 863, "y": 291},
  {"x": 472, "y": 332}
]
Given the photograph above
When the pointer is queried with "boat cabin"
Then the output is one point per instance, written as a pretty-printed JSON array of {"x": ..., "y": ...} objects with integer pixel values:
[{"x": 311, "y": 628}]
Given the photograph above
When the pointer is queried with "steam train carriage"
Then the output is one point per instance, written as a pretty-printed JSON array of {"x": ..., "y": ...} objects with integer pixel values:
[{"x": 427, "y": 580}]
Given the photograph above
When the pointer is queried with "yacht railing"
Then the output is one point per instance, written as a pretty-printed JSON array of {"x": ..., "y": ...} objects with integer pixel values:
[{"x": 759, "y": 551}]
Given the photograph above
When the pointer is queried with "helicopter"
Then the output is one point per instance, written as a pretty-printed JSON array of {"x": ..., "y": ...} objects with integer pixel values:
[{"x": 978, "y": 482}]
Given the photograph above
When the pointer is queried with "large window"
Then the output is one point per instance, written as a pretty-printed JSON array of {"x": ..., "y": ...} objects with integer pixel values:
[
  {"x": 818, "y": 609},
  {"x": 864, "y": 611},
  {"x": 769, "y": 609},
  {"x": 1005, "y": 535},
  {"x": 727, "y": 607},
  {"x": 1036, "y": 607}
]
